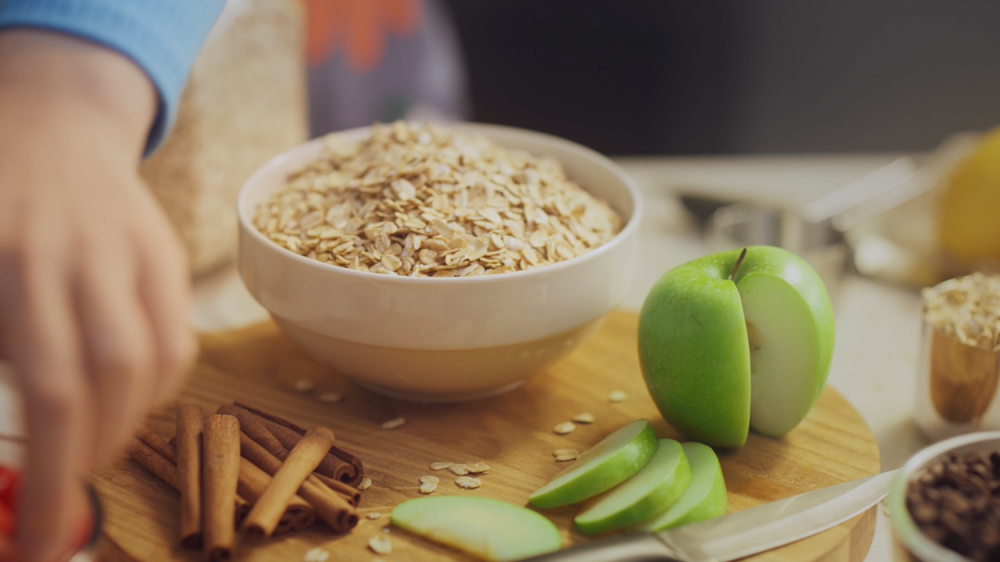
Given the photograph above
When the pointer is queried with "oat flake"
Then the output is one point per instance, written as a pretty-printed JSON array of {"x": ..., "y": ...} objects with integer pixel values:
[
  {"x": 316, "y": 555},
  {"x": 393, "y": 423},
  {"x": 468, "y": 482},
  {"x": 380, "y": 544},
  {"x": 564, "y": 428}
]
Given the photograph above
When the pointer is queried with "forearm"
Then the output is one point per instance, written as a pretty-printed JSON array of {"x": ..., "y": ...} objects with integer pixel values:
[
  {"x": 161, "y": 37},
  {"x": 70, "y": 78}
]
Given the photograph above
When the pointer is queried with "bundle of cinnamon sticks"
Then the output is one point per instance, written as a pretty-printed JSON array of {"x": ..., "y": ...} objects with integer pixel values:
[{"x": 247, "y": 469}]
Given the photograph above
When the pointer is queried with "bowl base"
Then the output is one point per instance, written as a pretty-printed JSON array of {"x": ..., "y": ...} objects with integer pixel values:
[
  {"x": 435, "y": 398},
  {"x": 438, "y": 375}
]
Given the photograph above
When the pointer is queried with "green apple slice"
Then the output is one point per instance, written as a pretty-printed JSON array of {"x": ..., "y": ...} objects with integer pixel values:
[
  {"x": 602, "y": 467},
  {"x": 653, "y": 489},
  {"x": 485, "y": 528},
  {"x": 722, "y": 355},
  {"x": 704, "y": 498}
]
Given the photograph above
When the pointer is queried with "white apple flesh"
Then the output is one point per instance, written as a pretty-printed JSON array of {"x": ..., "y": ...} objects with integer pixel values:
[{"x": 485, "y": 528}]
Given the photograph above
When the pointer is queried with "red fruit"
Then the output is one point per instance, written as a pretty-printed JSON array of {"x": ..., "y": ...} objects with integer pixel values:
[
  {"x": 10, "y": 486},
  {"x": 84, "y": 530},
  {"x": 6, "y": 521}
]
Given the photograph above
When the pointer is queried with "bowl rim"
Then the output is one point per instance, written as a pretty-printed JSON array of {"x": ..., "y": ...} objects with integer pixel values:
[
  {"x": 903, "y": 525},
  {"x": 281, "y": 160}
]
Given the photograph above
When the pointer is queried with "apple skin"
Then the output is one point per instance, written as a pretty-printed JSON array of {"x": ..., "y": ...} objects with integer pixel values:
[
  {"x": 694, "y": 347},
  {"x": 705, "y": 497},
  {"x": 610, "y": 462},
  {"x": 485, "y": 528},
  {"x": 651, "y": 490}
]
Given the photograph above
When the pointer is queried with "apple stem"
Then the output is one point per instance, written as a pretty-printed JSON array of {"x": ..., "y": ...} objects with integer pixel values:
[{"x": 736, "y": 266}]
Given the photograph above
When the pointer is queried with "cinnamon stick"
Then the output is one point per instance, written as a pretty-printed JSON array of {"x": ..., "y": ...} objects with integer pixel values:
[
  {"x": 161, "y": 464},
  {"x": 333, "y": 509},
  {"x": 298, "y": 515},
  {"x": 190, "y": 420},
  {"x": 339, "y": 464},
  {"x": 157, "y": 443},
  {"x": 153, "y": 461},
  {"x": 219, "y": 479},
  {"x": 349, "y": 493},
  {"x": 256, "y": 428}
]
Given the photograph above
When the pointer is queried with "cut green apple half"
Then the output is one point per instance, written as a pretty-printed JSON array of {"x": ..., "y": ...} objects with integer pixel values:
[
  {"x": 721, "y": 355},
  {"x": 485, "y": 528},
  {"x": 704, "y": 498},
  {"x": 653, "y": 489},
  {"x": 602, "y": 467}
]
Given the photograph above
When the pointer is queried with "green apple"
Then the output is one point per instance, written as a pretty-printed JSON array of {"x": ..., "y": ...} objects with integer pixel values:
[
  {"x": 602, "y": 467},
  {"x": 485, "y": 528},
  {"x": 704, "y": 498},
  {"x": 722, "y": 353},
  {"x": 652, "y": 490}
]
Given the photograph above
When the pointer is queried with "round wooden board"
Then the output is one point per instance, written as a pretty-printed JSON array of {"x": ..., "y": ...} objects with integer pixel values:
[{"x": 512, "y": 433}]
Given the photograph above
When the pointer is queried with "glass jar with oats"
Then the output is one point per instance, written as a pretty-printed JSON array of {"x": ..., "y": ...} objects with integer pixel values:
[{"x": 959, "y": 366}]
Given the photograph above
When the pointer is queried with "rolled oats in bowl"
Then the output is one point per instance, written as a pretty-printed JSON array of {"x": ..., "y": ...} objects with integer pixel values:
[{"x": 424, "y": 200}]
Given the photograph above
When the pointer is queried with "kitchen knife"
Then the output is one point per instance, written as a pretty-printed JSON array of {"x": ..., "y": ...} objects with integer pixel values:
[{"x": 739, "y": 534}]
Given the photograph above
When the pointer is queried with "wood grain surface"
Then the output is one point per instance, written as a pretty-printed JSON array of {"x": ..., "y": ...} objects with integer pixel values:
[{"x": 512, "y": 433}]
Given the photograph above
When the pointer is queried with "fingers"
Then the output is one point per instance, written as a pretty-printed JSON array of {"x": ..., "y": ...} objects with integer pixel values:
[
  {"x": 116, "y": 338},
  {"x": 165, "y": 291},
  {"x": 40, "y": 335}
]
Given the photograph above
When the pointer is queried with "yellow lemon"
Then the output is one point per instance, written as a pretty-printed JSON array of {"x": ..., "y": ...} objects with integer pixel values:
[{"x": 970, "y": 208}]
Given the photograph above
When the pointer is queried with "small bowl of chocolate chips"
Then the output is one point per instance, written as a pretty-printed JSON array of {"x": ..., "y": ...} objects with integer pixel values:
[{"x": 945, "y": 502}]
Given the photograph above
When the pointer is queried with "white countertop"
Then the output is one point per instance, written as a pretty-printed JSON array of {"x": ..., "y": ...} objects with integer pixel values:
[{"x": 878, "y": 326}]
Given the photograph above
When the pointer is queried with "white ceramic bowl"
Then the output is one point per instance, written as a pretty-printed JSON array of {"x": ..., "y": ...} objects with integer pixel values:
[{"x": 444, "y": 339}]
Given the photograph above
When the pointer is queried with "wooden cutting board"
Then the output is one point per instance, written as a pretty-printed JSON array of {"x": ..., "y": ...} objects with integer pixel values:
[{"x": 512, "y": 433}]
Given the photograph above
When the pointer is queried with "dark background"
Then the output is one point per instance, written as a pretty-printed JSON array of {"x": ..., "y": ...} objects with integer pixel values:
[{"x": 734, "y": 76}]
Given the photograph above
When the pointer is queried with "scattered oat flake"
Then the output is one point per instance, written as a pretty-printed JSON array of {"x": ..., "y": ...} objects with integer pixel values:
[
  {"x": 440, "y": 465},
  {"x": 380, "y": 544},
  {"x": 563, "y": 455},
  {"x": 365, "y": 484},
  {"x": 585, "y": 417},
  {"x": 316, "y": 555},
  {"x": 432, "y": 479},
  {"x": 428, "y": 487},
  {"x": 305, "y": 385},
  {"x": 331, "y": 397},
  {"x": 468, "y": 482},
  {"x": 393, "y": 423},
  {"x": 459, "y": 469},
  {"x": 477, "y": 468},
  {"x": 617, "y": 396},
  {"x": 374, "y": 516},
  {"x": 564, "y": 428}
]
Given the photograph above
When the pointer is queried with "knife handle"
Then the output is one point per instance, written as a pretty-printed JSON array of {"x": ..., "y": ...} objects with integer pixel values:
[{"x": 636, "y": 547}]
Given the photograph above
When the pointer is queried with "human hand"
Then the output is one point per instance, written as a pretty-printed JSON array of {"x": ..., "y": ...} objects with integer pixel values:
[{"x": 94, "y": 288}]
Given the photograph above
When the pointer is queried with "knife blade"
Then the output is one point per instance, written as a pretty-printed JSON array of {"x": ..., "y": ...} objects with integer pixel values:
[{"x": 739, "y": 534}]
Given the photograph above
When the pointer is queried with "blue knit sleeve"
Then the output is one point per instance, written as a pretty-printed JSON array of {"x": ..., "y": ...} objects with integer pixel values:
[{"x": 161, "y": 36}]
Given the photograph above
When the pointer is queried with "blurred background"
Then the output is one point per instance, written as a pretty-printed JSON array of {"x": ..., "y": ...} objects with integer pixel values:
[{"x": 687, "y": 77}]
